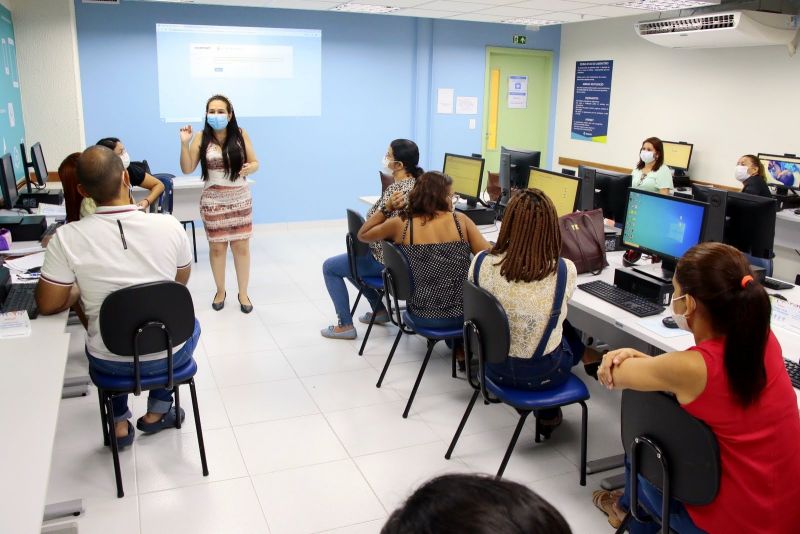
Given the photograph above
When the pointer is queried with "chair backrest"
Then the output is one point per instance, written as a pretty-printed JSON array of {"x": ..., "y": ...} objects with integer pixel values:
[
  {"x": 386, "y": 180},
  {"x": 354, "y": 223},
  {"x": 483, "y": 311},
  {"x": 398, "y": 270},
  {"x": 129, "y": 309},
  {"x": 493, "y": 186},
  {"x": 689, "y": 446},
  {"x": 164, "y": 203}
]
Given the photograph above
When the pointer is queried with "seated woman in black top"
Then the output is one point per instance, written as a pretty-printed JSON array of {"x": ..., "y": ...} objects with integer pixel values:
[
  {"x": 750, "y": 171},
  {"x": 438, "y": 244}
]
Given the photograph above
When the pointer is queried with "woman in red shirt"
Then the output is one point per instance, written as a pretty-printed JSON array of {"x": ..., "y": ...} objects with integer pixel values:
[{"x": 734, "y": 380}]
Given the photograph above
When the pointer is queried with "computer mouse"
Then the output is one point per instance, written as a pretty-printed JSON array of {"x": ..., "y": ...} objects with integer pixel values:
[
  {"x": 669, "y": 322},
  {"x": 797, "y": 212},
  {"x": 777, "y": 296}
]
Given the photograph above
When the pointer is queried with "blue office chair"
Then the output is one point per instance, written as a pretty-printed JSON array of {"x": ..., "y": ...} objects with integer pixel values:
[
  {"x": 398, "y": 285},
  {"x": 356, "y": 249},
  {"x": 165, "y": 204},
  {"x": 766, "y": 263},
  {"x": 487, "y": 334},
  {"x": 672, "y": 450},
  {"x": 144, "y": 319}
]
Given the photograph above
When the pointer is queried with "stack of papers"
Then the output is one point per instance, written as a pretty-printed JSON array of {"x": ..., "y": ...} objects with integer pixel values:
[
  {"x": 26, "y": 262},
  {"x": 15, "y": 324},
  {"x": 785, "y": 315}
]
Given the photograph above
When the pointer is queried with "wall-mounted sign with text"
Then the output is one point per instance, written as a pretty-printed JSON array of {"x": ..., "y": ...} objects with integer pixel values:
[{"x": 592, "y": 100}]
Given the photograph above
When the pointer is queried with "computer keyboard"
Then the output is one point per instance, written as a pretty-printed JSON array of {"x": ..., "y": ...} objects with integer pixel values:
[
  {"x": 21, "y": 297},
  {"x": 794, "y": 372},
  {"x": 772, "y": 283},
  {"x": 621, "y": 298}
]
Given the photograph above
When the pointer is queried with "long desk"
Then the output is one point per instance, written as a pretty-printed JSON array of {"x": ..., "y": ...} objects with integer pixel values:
[{"x": 30, "y": 395}]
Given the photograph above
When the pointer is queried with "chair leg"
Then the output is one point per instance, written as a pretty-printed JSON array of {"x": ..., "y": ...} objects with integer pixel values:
[
  {"x": 358, "y": 297},
  {"x": 538, "y": 430},
  {"x": 114, "y": 448},
  {"x": 176, "y": 393},
  {"x": 453, "y": 362},
  {"x": 431, "y": 344},
  {"x": 389, "y": 358},
  {"x": 462, "y": 424},
  {"x": 194, "y": 241},
  {"x": 198, "y": 427},
  {"x": 366, "y": 336},
  {"x": 584, "y": 431},
  {"x": 103, "y": 417},
  {"x": 625, "y": 523},
  {"x": 514, "y": 438}
]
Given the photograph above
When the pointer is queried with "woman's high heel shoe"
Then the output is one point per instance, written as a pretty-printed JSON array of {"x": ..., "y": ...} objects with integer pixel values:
[{"x": 217, "y": 306}]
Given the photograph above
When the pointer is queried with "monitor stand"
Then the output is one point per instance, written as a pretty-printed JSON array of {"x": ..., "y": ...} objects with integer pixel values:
[
  {"x": 480, "y": 215},
  {"x": 663, "y": 272}
]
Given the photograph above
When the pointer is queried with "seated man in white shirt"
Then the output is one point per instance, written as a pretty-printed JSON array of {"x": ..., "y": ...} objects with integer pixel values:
[{"x": 116, "y": 247}]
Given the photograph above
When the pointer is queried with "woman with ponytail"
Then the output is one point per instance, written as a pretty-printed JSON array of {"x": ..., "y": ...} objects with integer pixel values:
[
  {"x": 750, "y": 171},
  {"x": 734, "y": 380}
]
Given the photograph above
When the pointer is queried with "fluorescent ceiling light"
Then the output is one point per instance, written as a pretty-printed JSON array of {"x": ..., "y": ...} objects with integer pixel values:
[
  {"x": 530, "y": 21},
  {"x": 353, "y": 7},
  {"x": 666, "y": 5}
]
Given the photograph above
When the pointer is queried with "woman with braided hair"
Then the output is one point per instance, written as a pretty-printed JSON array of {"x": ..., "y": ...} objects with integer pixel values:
[{"x": 526, "y": 274}]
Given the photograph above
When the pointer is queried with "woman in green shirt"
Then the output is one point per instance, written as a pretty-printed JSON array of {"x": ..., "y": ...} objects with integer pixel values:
[{"x": 651, "y": 174}]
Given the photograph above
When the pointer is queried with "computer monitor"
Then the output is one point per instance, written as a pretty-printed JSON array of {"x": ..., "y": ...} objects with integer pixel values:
[
  {"x": 563, "y": 190},
  {"x": 662, "y": 225},
  {"x": 8, "y": 180},
  {"x": 750, "y": 224},
  {"x": 784, "y": 169},
  {"x": 677, "y": 155},
  {"x": 610, "y": 192},
  {"x": 521, "y": 163},
  {"x": 39, "y": 167},
  {"x": 505, "y": 178},
  {"x": 466, "y": 173}
]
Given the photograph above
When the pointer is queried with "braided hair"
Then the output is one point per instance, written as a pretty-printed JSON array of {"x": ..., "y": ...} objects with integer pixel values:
[{"x": 529, "y": 237}]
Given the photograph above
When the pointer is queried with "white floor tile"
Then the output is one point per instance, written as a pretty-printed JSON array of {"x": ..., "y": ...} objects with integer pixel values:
[
  {"x": 232, "y": 341},
  {"x": 370, "y": 527},
  {"x": 250, "y": 367},
  {"x": 574, "y": 501},
  {"x": 437, "y": 378},
  {"x": 171, "y": 459},
  {"x": 443, "y": 412},
  {"x": 268, "y": 401},
  {"x": 288, "y": 444},
  {"x": 230, "y": 506},
  {"x": 228, "y": 318},
  {"x": 337, "y": 492},
  {"x": 88, "y": 471},
  {"x": 378, "y": 428},
  {"x": 325, "y": 357},
  {"x": 212, "y": 409},
  {"x": 340, "y": 391},
  {"x": 289, "y": 312},
  {"x": 106, "y": 514},
  {"x": 394, "y": 475}
]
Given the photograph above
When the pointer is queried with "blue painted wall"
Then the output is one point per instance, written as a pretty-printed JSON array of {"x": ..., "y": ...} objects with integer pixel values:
[{"x": 379, "y": 80}]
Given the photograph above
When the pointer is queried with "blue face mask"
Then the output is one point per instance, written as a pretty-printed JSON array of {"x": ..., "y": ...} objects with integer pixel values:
[{"x": 217, "y": 121}]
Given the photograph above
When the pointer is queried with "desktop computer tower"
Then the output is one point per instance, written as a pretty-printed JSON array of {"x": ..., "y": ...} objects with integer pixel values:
[
  {"x": 587, "y": 190},
  {"x": 715, "y": 216}
]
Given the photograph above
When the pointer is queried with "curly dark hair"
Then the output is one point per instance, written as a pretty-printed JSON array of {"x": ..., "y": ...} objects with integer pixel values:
[{"x": 431, "y": 193}]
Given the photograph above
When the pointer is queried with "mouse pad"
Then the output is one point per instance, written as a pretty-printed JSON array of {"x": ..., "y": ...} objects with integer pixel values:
[{"x": 655, "y": 325}]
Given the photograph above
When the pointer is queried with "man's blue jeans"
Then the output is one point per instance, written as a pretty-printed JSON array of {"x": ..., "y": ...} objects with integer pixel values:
[
  {"x": 336, "y": 269},
  {"x": 159, "y": 400}
]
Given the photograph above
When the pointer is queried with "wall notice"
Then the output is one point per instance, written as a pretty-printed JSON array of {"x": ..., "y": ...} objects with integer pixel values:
[
  {"x": 592, "y": 100},
  {"x": 517, "y": 92}
]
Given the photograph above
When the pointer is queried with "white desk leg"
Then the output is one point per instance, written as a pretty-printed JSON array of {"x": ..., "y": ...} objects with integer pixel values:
[
  {"x": 59, "y": 510},
  {"x": 76, "y": 386}
]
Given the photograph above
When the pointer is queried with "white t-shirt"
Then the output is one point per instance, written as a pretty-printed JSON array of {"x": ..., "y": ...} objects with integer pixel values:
[{"x": 116, "y": 247}]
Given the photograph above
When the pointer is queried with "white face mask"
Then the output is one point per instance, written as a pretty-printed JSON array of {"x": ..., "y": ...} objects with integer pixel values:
[
  {"x": 742, "y": 173},
  {"x": 647, "y": 156},
  {"x": 680, "y": 320},
  {"x": 385, "y": 169},
  {"x": 126, "y": 159}
]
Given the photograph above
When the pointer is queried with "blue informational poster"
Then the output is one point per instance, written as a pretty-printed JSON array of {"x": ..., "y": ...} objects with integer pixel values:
[
  {"x": 592, "y": 100},
  {"x": 12, "y": 129}
]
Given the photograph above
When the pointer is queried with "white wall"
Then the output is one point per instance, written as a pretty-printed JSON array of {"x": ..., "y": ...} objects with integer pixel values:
[
  {"x": 47, "y": 58},
  {"x": 728, "y": 102}
]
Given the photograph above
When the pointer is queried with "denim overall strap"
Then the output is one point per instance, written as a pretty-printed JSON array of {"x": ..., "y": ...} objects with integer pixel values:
[{"x": 561, "y": 286}]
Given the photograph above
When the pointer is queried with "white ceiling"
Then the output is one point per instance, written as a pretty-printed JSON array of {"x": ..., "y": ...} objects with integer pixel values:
[{"x": 552, "y": 11}]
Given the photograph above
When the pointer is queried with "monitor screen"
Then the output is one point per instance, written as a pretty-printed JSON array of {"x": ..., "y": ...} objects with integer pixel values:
[
  {"x": 562, "y": 189},
  {"x": 39, "y": 167},
  {"x": 466, "y": 173},
  {"x": 10, "y": 192},
  {"x": 662, "y": 225},
  {"x": 521, "y": 162},
  {"x": 783, "y": 169},
  {"x": 677, "y": 155}
]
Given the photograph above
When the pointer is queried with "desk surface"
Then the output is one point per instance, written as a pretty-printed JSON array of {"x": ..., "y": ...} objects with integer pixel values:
[{"x": 30, "y": 394}]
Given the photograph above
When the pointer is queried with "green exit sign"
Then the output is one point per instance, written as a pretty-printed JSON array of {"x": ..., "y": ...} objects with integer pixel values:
[{"x": 520, "y": 39}]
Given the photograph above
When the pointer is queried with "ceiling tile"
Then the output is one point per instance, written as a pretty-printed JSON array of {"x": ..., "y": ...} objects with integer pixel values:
[
  {"x": 392, "y": 3},
  {"x": 553, "y": 5},
  {"x": 423, "y": 13},
  {"x": 455, "y": 7},
  {"x": 478, "y": 17},
  {"x": 301, "y": 4},
  {"x": 510, "y": 12},
  {"x": 609, "y": 11},
  {"x": 566, "y": 16}
]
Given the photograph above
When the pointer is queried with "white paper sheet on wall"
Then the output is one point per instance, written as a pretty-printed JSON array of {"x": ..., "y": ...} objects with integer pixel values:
[
  {"x": 444, "y": 100},
  {"x": 467, "y": 105}
]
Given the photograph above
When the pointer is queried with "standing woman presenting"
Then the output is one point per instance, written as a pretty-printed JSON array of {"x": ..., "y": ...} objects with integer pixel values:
[{"x": 226, "y": 158}]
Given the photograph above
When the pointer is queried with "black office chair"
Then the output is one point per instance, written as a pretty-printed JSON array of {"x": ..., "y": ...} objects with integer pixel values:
[
  {"x": 144, "y": 319},
  {"x": 165, "y": 204},
  {"x": 487, "y": 335},
  {"x": 398, "y": 285},
  {"x": 670, "y": 449},
  {"x": 356, "y": 249}
]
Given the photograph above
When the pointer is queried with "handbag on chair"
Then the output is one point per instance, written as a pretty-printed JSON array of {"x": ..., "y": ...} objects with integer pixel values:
[{"x": 583, "y": 240}]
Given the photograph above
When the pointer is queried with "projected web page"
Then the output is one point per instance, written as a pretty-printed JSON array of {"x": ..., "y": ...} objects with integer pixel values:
[{"x": 265, "y": 72}]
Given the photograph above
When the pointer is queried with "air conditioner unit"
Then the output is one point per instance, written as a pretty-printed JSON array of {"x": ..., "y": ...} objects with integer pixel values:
[{"x": 723, "y": 29}]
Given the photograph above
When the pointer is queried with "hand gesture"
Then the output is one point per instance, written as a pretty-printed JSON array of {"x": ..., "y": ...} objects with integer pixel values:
[
  {"x": 614, "y": 359},
  {"x": 186, "y": 134},
  {"x": 396, "y": 202}
]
